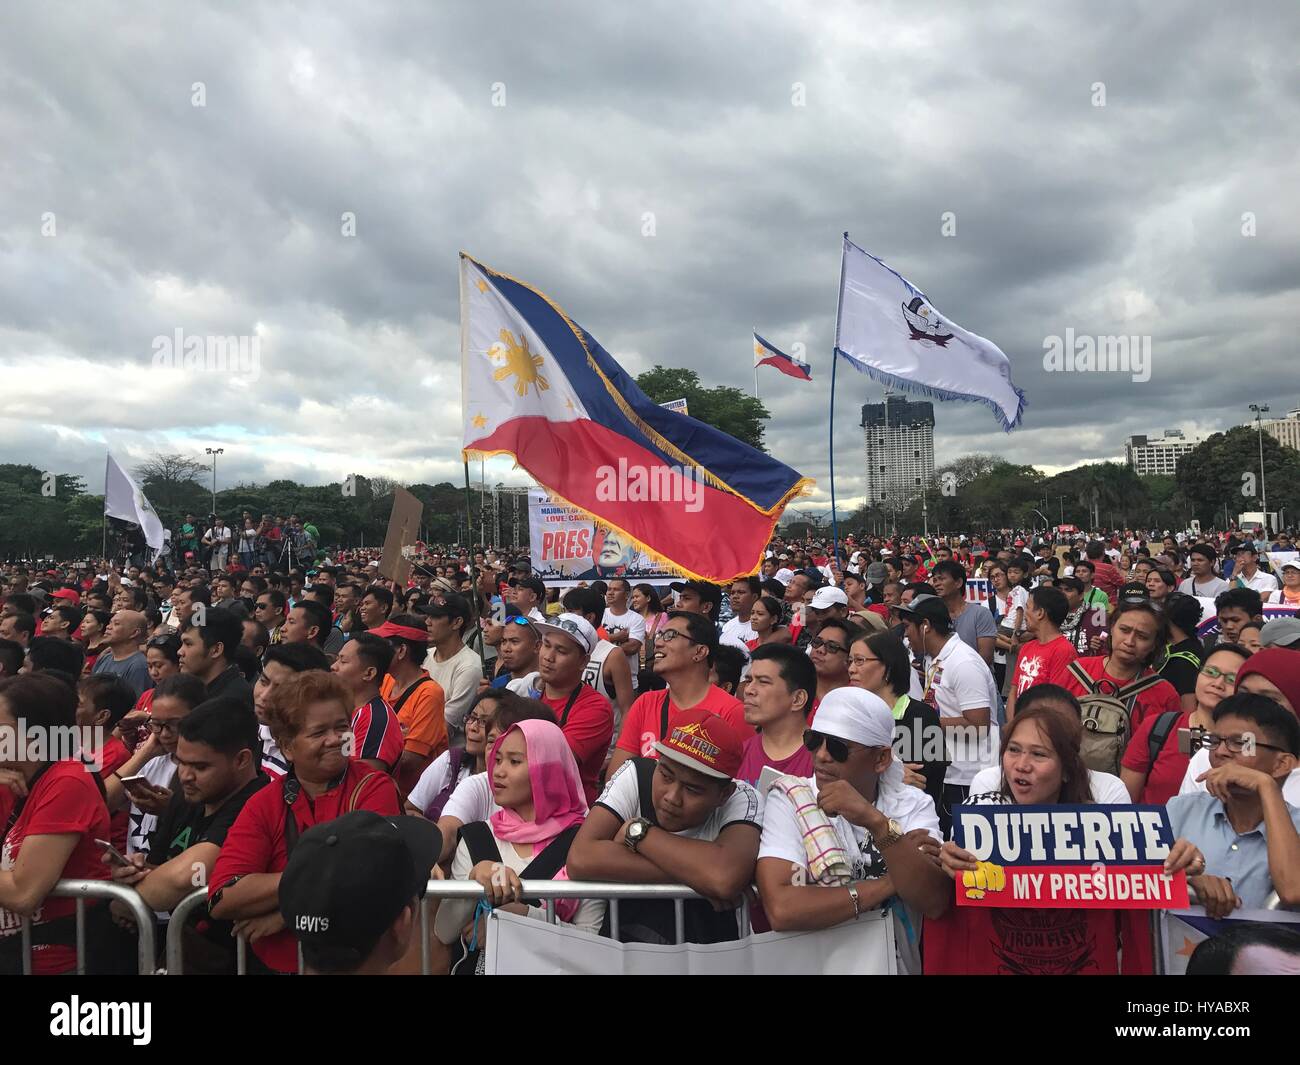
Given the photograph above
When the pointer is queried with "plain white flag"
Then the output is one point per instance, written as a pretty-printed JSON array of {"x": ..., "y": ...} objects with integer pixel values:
[
  {"x": 887, "y": 328},
  {"x": 123, "y": 499}
]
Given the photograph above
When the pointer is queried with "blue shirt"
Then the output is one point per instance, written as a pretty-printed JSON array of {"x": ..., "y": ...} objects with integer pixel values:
[{"x": 1243, "y": 859}]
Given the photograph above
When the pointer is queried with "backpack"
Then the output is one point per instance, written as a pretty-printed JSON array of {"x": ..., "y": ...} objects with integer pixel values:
[{"x": 1107, "y": 716}]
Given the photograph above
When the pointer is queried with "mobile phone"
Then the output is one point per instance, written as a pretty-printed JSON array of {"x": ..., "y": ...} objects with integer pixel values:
[
  {"x": 767, "y": 778},
  {"x": 1190, "y": 740},
  {"x": 114, "y": 855},
  {"x": 140, "y": 781}
]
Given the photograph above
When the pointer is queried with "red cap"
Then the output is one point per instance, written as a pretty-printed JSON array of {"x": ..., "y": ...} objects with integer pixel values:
[
  {"x": 66, "y": 593},
  {"x": 406, "y": 632},
  {"x": 704, "y": 741}
]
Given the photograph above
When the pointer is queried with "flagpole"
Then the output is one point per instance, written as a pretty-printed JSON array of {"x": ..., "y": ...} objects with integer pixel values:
[
  {"x": 103, "y": 547},
  {"x": 469, "y": 547},
  {"x": 835, "y": 527}
]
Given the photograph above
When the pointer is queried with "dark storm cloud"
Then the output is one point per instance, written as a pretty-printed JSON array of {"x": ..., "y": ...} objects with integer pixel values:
[{"x": 1125, "y": 219}]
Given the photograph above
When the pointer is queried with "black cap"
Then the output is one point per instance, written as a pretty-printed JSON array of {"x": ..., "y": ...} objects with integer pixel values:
[
  {"x": 452, "y": 606},
  {"x": 348, "y": 880},
  {"x": 928, "y": 608},
  {"x": 534, "y": 584},
  {"x": 1246, "y": 546}
]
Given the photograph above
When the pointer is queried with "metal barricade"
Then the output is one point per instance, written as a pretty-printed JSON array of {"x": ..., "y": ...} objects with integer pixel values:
[
  {"x": 546, "y": 890},
  {"x": 81, "y": 890}
]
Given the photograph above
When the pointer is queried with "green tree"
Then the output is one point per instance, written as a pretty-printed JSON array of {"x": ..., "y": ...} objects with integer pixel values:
[
  {"x": 1223, "y": 471},
  {"x": 172, "y": 483},
  {"x": 726, "y": 408}
]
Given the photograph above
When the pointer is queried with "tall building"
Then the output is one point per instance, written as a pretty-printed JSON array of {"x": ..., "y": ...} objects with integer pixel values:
[
  {"x": 1286, "y": 430},
  {"x": 1151, "y": 455},
  {"x": 900, "y": 450}
]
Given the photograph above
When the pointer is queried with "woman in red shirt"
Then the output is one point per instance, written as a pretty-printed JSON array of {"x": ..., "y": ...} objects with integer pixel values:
[
  {"x": 53, "y": 812},
  {"x": 310, "y": 717},
  {"x": 1041, "y": 765}
]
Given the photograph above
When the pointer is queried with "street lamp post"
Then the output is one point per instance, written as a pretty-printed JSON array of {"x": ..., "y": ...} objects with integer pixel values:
[
  {"x": 214, "y": 452},
  {"x": 1260, "y": 411}
]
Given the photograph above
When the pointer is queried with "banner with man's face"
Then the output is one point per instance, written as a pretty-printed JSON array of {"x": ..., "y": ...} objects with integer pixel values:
[{"x": 568, "y": 548}]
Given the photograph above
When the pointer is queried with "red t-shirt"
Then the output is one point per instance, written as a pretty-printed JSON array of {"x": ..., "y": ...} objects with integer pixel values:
[
  {"x": 754, "y": 758},
  {"x": 64, "y": 799},
  {"x": 1107, "y": 578},
  {"x": 974, "y": 941},
  {"x": 642, "y": 727},
  {"x": 145, "y": 702},
  {"x": 587, "y": 727},
  {"x": 1166, "y": 776},
  {"x": 255, "y": 842},
  {"x": 111, "y": 759},
  {"x": 1152, "y": 702},
  {"x": 377, "y": 733},
  {"x": 1043, "y": 663}
]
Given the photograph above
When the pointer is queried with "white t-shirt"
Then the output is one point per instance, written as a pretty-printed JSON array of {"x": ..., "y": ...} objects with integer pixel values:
[
  {"x": 1200, "y": 763},
  {"x": 459, "y": 677},
  {"x": 735, "y": 633},
  {"x": 631, "y": 622},
  {"x": 1017, "y": 599},
  {"x": 471, "y": 801},
  {"x": 960, "y": 681},
  {"x": 159, "y": 771},
  {"x": 436, "y": 776},
  {"x": 911, "y": 807},
  {"x": 1206, "y": 589},
  {"x": 622, "y": 798},
  {"x": 1106, "y": 788}
]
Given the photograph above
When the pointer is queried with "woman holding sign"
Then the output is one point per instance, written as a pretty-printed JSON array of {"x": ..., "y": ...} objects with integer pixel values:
[{"x": 1041, "y": 766}]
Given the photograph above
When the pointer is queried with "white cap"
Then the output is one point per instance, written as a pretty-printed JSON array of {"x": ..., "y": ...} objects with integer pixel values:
[
  {"x": 824, "y": 598},
  {"x": 784, "y": 574},
  {"x": 574, "y": 626}
]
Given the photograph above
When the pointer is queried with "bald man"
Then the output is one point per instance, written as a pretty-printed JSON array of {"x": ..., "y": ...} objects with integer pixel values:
[{"x": 125, "y": 633}]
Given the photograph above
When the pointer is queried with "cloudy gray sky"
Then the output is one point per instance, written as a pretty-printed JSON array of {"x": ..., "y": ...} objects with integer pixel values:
[{"x": 753, "y": 133}]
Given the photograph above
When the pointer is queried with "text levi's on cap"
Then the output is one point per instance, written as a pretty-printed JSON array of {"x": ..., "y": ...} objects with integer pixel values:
[
  {"x": 349, "y": 879},
  {"x": 701, "y": 740}
]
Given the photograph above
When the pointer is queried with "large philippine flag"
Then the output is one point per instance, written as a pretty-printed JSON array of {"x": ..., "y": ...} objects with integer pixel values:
[
  {"x": 766, "y": 355},
  {"x": 535, "y": 385}
]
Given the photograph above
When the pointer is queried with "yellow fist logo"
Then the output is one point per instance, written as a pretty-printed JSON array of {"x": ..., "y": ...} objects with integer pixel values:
[{"x": 988, "y": 877}]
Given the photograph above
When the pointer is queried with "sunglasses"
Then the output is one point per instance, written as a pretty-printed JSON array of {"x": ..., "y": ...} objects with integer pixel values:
[
  {"x": 817, "y": 643},
  {"x": 837, "y": 748}
]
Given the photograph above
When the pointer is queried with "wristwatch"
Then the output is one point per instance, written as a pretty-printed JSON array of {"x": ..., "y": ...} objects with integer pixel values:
[
  {"x": 636, "y": 832},
  {"x": 894, "y": 834}
]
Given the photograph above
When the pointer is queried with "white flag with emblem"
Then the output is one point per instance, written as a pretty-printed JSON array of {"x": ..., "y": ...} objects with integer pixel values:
[
  {"x": 888, "y": 328},
  {"x": 123, "y": 499}
]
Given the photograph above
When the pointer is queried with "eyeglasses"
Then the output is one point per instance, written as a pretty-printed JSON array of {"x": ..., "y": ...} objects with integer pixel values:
[
  {"x": 668, "y": 635},
  {"x": 817, "y": 644},
  {"x": 1215, "y": 673},
  {"x": 163, "y": 726},
  {"x": 1236, "y": 744},
  {"x": 481, "y": 720},
  {"x": 861, "y": 660},
  {"x": 835, "y": 747}
]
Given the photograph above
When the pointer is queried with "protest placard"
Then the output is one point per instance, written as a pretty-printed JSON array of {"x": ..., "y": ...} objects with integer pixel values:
[{"x": 1077, "y": 857}]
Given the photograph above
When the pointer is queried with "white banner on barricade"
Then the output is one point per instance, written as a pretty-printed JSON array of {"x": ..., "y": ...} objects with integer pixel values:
[
  {"x": 1181, "y": 931},
  {"x": 525, "y": 946}
]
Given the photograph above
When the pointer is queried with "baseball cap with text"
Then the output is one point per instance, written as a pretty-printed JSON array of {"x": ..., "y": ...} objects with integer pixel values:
[{"x": 703, "y": 741}]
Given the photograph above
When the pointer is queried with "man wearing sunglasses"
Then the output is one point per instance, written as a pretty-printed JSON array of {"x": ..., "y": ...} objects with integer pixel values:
[
  {"x": 1242, "y": 823},
  {"x": 518, "y": 648},
  {"x": 683, "y": 655},
  {"x": 269, "y": 610},
  {"x": 882, "y": 831}
]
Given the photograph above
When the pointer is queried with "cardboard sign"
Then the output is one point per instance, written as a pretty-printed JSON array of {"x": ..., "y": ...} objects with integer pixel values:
[
  {"x": 979, "y": 590},
  {"x": 403, "y": 531},
  {"x": 1068, "y": 857},
  {"x": 679, "y": 405}
]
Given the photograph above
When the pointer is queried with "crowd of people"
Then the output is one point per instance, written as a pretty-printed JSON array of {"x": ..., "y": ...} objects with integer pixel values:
[{"x": 311, "y": 742}]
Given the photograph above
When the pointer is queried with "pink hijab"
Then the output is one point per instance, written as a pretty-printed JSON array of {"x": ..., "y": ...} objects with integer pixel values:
[{"x": 558, "y": 798}]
